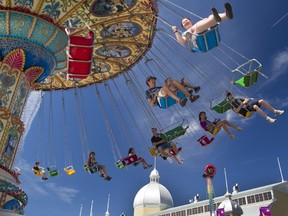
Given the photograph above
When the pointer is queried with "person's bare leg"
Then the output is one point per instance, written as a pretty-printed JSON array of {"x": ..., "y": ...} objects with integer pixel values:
[
  {"x": 260, "y": 111},
  {"x": 267, "y": 105},
  {"x": 166, "y": 91},
  {"x": 181, "y": 88}
]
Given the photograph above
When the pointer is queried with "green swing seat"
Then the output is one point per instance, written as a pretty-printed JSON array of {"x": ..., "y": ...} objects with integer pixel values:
[
  {"x": 250, "y": 72},
  {"x": 52, "y": 172},
  {"x": 222, "y": 107},
  {"x": 174, "y": 133}
]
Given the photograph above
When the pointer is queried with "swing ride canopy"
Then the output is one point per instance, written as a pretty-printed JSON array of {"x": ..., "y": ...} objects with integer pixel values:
[{"x": 123, "y": 32}]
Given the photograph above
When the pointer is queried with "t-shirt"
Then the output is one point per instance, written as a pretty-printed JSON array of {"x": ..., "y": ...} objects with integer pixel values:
[
  {"x": 155, "y": 139},
  {"x": 236, "y": 102},
  {"x": 150, "y": 92},
  {"x": 190, "y": 38},
  {"x": 204, "y": 124}
]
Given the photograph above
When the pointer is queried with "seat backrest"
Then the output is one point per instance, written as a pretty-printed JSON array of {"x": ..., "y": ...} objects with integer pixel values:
[
  {"x": 173, "y": 134},
  {"x": 165, "y": 102},
  {"x": 222, "y": 107},
  {"x": 207, "y": 40}
]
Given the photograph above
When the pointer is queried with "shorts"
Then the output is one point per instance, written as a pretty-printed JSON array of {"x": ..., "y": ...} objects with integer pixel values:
[
  {"x": 249, "y": 107},
  {"x": 165, "y": 146}
]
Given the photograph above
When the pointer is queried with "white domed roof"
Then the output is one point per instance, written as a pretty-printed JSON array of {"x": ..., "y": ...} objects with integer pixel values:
[
  {"x": 153, "y": 194},
  {"x": 231, "y": 206}
]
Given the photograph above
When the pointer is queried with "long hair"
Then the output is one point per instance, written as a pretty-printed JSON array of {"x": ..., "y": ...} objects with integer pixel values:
[
  {"x": 200, "y": 115},
  {"x": 130, "y": 151}
]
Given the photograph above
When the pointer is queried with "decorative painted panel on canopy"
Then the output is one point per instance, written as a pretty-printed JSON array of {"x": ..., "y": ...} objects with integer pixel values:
[{"x": 124, "y": 32}]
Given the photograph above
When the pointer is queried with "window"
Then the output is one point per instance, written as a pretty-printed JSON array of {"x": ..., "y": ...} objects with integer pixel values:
[
  {"x": 241, "y": 201},
  {"x": 250, "y": 199},
  {"x": 200, "y": 209},
  {"x": 267, "y": 196},
  {"x": 259, "y": 197},
  {"x": 206, "y": 208}
]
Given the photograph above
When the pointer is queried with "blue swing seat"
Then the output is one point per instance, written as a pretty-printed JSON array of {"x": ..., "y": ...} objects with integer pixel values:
[
  {"x": 206, "y": 40},
  {"x": 165, "y": 102}
]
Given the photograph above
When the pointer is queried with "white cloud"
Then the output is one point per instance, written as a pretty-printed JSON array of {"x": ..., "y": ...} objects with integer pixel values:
[
  {"x": 279, "y": 64},
  {"x": 64, "y": 193},
  {"x": 31, "y": 109}
]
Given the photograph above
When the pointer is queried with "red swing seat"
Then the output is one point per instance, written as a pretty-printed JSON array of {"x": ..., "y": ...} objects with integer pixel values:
[
  {"x": 79, "y": 55},
  {"x": 132, "y": 159},
  {"x": 204, "y": 140}
]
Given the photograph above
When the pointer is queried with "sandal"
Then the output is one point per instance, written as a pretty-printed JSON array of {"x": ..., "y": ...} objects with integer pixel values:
[
  {"x": 197, "y": 88},
  {"x": 232, "y": 136},
  {"x": 239, "y": 129},
  {"x": 229, "y": 12},
  {"x": 183, "y": 102},
  {"x": 194, "y": 98},
  {"x": 216, "y": 15}
]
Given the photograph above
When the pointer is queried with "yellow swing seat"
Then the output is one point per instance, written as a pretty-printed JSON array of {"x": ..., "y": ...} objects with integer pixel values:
[{"x": 69, "y": 170}]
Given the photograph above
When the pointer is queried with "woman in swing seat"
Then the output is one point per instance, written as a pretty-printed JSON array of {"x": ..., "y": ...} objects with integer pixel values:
[
  {"x": 210, "y": 126},
  {"x": 93, "y": 165},
  {"x": 203, "y": 24},
  {"x": 131, "y": 152}
]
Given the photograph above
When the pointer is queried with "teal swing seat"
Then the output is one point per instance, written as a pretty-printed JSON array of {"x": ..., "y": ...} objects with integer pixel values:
[
  {"x": 249, "y": 73},
  {"x": 165, "y": 102},
  {"x": 92, "y": 170},
  {"x": 204, "y": 41}
]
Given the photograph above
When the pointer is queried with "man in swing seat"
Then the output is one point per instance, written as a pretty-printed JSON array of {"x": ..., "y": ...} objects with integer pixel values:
[
  {"x": 203, "y": 24},
  {"x": 93, "y": 166},
  {"x": 40, "y": 170},
  {"x": 171, "y": 86},
  {"x": 244, "y": 105},
  {"x": 163, "y": 146}
]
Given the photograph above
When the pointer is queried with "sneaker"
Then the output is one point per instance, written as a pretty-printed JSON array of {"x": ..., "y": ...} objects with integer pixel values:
[
  {"x": 44, "y": 178},
  {"x": 278, "y": 112},
  {"x": 164, "y": 158},
  {"x": 194, "y": 98},
  {"x": 232, "y": 136},
  {"x": 229, "y": 12},
  {"x": 197, "y": 89},
  {"x": 270, "y": 120},
  {"x": 183, "y": 102},
  {"x": 216, "y": 15},
  {"x": 102, "y": 175},
  {"x": 169, "y": 160},
  {"x": 180, "y": 162},
  {"x": 107, "y": 178}
]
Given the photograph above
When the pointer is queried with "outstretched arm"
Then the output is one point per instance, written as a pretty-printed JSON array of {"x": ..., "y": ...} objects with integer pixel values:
[{"x": 179, "y": 37}]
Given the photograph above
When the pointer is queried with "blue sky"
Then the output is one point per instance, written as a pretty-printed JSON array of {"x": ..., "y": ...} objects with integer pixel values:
[{"x": 258, "y": 31}]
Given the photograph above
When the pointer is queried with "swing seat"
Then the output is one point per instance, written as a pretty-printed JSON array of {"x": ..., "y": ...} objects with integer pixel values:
[
  {"x": 221, "y": 107},
  {"x": 90, "y": 170},
  {"x": 174, "y": 133},
  {"x": 79, "y": 55},
  {"x": 154, "y": 151},
  {"x": 38, "y": 172},
  {"x": 249, "y": 72},
  {"x": 247, "y": 115},
  {"x": 207, "y": 40},
  {"x": 204, "y": 140},
  {"x": 52, "y": 172},
  {"x": 69, "y": 170},
  {"x": 171, "y": 151},
  {"x": 132, "y": 159},
  {"x": 215, "y": 131},
  {"x": 165, "y": 102}
]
